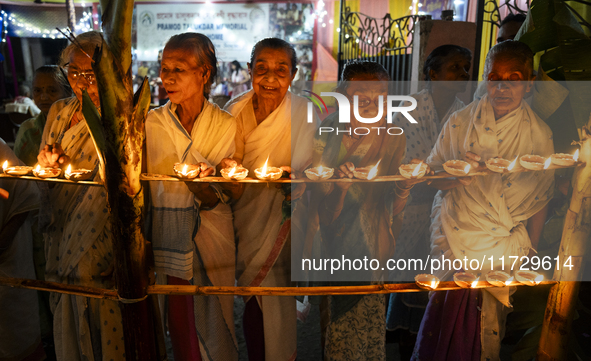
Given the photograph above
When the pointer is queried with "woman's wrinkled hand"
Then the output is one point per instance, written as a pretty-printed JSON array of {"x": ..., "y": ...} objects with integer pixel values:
[
  {"x": 475, "y": 161},
  {"x": 205, "y": 170},
  {"x": 226, "y": 163},
  {"x": 52, "y": 156}
]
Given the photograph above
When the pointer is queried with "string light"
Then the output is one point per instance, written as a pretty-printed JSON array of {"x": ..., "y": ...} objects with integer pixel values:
[{"x": 85, "y": 24}]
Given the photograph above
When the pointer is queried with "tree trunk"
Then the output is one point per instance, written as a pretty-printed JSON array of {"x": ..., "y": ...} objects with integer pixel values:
[
  {"x": 118, "y": 134},
  {"x": 575, "y": 236}
]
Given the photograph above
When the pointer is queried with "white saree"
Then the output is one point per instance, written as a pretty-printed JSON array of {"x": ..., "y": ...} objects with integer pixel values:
[
  {"x": 78, "y": 247},
  {"x": 488, "y": 217},
  {"x": 20, "y": 335},
  {"x": 189, "y": 242},
  {"x": 264, "y": 236}
]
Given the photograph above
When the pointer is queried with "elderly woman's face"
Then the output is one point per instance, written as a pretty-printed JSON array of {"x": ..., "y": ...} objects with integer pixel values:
[
  {"x": 368, "y": 89},
  {"x": 46, "y": 91},
  {"x": 507, "y": 83},
  {"x": 271, "y": 74},
  {"x": 181, "y": 76},
  {"x": 81, "y": 76}
]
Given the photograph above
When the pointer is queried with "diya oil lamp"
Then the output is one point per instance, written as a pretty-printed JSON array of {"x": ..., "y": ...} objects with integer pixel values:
[
  {"x": 413, "y": 171},
  {"x": 267, "y": 173},
  {"x": 427, "y": 281},
  {"x": 529, "y": 278},
  {"x": 77, "y": 174},
  {"x": 16, "y": 170},
  {"x": 498, "y": 278},
  {"x": 500, "y": 165},
  {"x": 46, "y": 172},
  {"x": 186, "y": 171},
  {"x": 319, "y": 173},
  {"x": 532, "y": 162},
  {"x": 466, "y": 279},
  {"x": 235, "y": 173},
  {"x": 565, "y": 160},
  {"x": 458, "y": 168},
  {"x": 368, "y": 172}
]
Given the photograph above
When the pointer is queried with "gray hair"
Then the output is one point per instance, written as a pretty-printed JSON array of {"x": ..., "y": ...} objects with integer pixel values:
[
  {"x": 87, "y": 41},
  {"x": 276, "y": 44},
  {"x": 515, "y": 50},
  {"x": 356, "y": 68},
  {"x": 203, "y": 50}
]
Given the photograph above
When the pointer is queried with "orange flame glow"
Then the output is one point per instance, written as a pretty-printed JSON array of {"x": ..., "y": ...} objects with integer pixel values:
[
  {"x": 69, "y": 170},
  {"x": 475, "y": 283},
  {"x": 576, "y": 156},
  {"x": 4, "y": 166},
  {"x": 232, "y": 171},
  {"x": 512, "y": 165},
  {"x": 467, "y": 169},
  {"x": 539, "y": 279},
  {"x": 433, "y": 284},
  {"x": 508, "y": 282},
  {"x": 184, "y": 171},
  {"x": 264, "y": 170},
  {"x": 38, "y": 168},
  {"x": 417, "y": 169},
  {"x": 373, "y": 171},
  {"x": 547, "y": 163}
]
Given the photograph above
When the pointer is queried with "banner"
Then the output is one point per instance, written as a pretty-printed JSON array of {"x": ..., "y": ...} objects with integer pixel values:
[{"x": 233, "y": 28}]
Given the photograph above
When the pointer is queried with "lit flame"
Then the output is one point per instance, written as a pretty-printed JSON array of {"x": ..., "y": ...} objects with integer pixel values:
[
  {"x": 373, "y": 171},
  {"x": 320, "y": 169},
  {"x": 264, "y": 170},
  {"x": 547, "y": 163},
  {"x": 433, "y": 284},
  {"x": 576, "y": 156},
  {"x": 417, "y": 169},
  {"x": 232, "y": 171},
  {"x": 184, "y": 171},
  {"x": 4, "y": 166},
  {"x": 475, "y": 283},
  {"x": 508, "y": 282},
  {"x": 38, "y": 168},
  {"x": 539, "y": 279},
  {"x": 467, "y": 169},
  {"x": 69, "y": 170},
  {"x": 512, "y": 165}
]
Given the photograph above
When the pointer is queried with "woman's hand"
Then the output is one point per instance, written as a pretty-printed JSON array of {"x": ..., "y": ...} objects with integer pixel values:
[
  {"x": 3, "y": 193},
  {"x": 345, "y": 171},
  {"x": 205, "y": 170},
  {"x": 226, "y": 163},
  {"x": 299, "y": 189},
  {"x": 475, "y": 161},
  {"x": 52, "y": 156}
]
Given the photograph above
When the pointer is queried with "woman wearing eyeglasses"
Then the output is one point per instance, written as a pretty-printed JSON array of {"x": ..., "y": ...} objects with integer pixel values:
[{"x": 77, "y": 233}]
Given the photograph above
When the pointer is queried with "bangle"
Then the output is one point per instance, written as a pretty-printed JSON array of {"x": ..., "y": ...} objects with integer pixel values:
[
  {"x": 402, "y": 197},
  {"x": 403, "y": 189}
]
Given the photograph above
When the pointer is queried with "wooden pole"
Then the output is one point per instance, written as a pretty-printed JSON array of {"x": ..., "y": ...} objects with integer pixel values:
[
  {"x": 71, "y": 10},
  {"x": 575, "y": 237}
]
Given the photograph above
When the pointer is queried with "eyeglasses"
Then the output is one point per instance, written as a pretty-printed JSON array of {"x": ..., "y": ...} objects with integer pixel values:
[
  {"x": 365, "y": 102},
  {"x": 77, "y": 75}
]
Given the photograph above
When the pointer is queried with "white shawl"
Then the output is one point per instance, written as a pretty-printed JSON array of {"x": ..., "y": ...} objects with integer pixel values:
[
  {"x": 175, "y": 210},
  {"x": 487, "y": 218}
]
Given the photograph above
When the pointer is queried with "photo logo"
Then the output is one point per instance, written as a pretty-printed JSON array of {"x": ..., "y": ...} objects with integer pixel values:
[
  {"x": 393, "y": 105},
  {"x": 316, "y": 99}
]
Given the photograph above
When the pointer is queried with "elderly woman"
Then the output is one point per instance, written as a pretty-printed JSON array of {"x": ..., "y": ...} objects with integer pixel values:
[
  {"x": 191, "y": 230},
  {"x": 446, "y": 75},
  {"x": 496, "y": 216},
  {"x": 78, "y": 244},
  {"x": 359, "y": 220},
  {"x": 49, "y": 86},
  {"x": 265, "y": 129}
]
